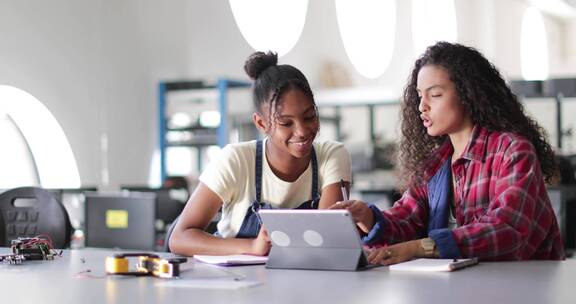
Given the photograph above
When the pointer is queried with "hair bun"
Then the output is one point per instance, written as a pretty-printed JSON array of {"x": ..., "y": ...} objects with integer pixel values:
[{"x": 258, "y": 62}]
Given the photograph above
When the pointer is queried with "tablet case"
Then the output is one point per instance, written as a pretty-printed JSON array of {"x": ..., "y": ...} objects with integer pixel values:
[
  {"x": 317, "y": 258},
  {"x": 340, "y": 248}
]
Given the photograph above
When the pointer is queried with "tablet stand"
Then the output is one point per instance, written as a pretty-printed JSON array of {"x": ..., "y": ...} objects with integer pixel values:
[{"x": 324, "y": 258}]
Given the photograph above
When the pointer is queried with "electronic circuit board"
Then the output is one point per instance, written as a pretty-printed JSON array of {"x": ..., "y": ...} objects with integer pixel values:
[{"x": 28, "y": 249}]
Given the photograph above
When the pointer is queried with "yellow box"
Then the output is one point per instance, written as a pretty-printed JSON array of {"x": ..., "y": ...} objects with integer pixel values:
[{"x": 116, "y": 219}]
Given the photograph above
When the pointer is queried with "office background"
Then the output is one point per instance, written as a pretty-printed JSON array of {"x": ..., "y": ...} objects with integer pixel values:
[
  {"x": 80, "y": 107},
  {"x": 96, "y": 66}
]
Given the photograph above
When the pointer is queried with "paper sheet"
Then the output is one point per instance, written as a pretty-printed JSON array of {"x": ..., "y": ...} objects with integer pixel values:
[
  {"x": 227, "y": 284},
  {"x": 231, "y": 260},
  {"x": 433, "y": 265}
]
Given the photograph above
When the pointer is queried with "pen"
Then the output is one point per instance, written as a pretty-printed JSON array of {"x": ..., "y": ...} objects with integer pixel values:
[{"x": 343, "y": 189}]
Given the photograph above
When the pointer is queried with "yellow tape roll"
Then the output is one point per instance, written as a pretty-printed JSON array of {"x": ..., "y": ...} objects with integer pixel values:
[
  {"x": 116, "y": 265},
  {"x": 164, "y": 268}
]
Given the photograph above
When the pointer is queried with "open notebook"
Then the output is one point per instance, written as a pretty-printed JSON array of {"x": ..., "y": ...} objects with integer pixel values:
[
  {"x": 232, "y": 260},
  {"x": 434, "y": 265}
]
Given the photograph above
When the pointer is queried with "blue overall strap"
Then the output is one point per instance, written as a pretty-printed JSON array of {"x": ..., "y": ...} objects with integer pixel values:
[
  {"x": 258, "y": 175},
  {"x": 315, "y": 193},
  {"x": 439, "y": 197},
  {"x": 252, "y": 222}
]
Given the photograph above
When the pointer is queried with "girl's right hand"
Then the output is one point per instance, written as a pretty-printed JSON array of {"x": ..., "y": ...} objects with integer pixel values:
[
  {"x": 361, "y": 213},
  {"x": 261, "y": 244}
]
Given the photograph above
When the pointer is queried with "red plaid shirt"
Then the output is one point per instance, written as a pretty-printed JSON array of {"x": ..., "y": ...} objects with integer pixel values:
[{"x": 502, "y": 207}]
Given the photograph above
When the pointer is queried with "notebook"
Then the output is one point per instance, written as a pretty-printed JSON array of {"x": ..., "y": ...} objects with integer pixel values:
[
  {"x": 232, "y": 260},
  {"x": 434, "y": 265}
]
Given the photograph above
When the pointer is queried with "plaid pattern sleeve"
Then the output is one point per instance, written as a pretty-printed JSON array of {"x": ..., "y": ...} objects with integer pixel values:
[
  {"x": 504, "y": 212},
  {"x": 502, "y": 207},
  {"x": 406, "y": 220}
]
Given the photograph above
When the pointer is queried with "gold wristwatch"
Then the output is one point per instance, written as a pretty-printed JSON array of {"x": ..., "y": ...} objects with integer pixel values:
[{"x": 428, "y": 245}]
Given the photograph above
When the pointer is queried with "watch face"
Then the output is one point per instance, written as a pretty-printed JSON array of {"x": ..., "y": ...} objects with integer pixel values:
[{"x": 428, "y": 244}]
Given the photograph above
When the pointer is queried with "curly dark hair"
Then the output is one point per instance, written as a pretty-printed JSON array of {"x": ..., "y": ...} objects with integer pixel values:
[{"x": 485, "y": 96}]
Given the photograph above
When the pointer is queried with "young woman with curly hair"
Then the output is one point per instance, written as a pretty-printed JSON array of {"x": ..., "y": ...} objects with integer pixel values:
[{"x": 474, "y": 166}]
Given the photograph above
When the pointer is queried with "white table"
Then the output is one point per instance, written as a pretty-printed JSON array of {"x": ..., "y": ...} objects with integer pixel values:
[{"x": 487, "y": 283}]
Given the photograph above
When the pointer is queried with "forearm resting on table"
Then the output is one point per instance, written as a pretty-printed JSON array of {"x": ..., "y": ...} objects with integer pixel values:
[{"x": 195, "y": 241}]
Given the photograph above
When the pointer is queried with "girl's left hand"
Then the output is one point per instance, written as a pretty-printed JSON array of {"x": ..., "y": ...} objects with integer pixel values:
[
  {"x": 261, "y": 244},
  {"x": 396, "y": 253}
]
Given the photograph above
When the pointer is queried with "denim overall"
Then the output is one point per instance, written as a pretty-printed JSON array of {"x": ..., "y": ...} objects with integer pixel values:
[{"x": 252, "y": 222}]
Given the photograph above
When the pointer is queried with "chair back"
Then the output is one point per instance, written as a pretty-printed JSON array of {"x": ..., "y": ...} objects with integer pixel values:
[
  {"x": 212, "y": 229},
  {"x": 167, "y": 208},
  {"x": 32, "y": 211},
  {"x": 169, "y": 230}
]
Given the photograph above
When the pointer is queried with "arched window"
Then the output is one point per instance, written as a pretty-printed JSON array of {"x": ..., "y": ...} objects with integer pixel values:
[
  {"x": 16, "y": 161},
  {"x": 270, "y": 24},
  {"x": 533, "y": 46},
  {"x": 432, "y": 21},
  {"x": 35, "y": 151},
  {"x": 368, "y": 31}
]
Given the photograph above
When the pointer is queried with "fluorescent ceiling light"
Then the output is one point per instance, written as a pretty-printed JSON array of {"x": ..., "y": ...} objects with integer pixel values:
[
  {"x": 533, "y": 46},
  {"x": 274, "y": 25},
  {"x": 368, "y": 29}
]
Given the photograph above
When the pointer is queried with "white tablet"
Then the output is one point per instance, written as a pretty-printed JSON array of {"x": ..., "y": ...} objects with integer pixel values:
[{"x": 313, "y": 239}]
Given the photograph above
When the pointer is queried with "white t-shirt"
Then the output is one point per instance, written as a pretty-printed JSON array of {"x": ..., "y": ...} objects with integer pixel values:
[{"x": 232, "y": 177}]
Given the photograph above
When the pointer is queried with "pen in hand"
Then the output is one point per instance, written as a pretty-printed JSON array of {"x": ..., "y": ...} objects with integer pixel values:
[{"x": 343, "y": 189}]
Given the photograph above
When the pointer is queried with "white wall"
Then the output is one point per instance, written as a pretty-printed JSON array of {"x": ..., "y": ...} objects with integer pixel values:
[
  {"x": 96, "y": 64},
  {"x": 569, "y": 43}
]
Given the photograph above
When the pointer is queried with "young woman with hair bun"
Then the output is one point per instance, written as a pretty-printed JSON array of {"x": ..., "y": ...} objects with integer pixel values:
[{"x": 287, "y": 169}]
